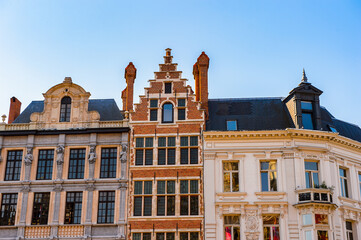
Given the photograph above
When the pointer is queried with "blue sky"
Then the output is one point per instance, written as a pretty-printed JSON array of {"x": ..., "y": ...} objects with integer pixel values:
[{"x": 257, "y": 48}]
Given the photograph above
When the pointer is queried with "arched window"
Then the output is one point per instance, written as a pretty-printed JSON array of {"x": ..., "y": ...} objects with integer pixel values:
[
  {"x": 65, "y": 109},
  {"x": 167, "y": 113}
]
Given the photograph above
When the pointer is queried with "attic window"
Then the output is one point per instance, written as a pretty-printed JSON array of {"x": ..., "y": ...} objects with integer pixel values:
[
  {"x": 168, "y": 87},
  {"x": 231, "y": 125},
  {"x": 307, "y": 115},
  {"x": 332, "y": 128},
  {"x": 65, "y": 109}
]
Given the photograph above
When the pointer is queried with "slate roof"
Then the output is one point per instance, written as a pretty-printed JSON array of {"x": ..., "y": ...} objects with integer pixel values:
[
  {"x": 253, "y": 114},
  {"x": 107, "y": 108}
]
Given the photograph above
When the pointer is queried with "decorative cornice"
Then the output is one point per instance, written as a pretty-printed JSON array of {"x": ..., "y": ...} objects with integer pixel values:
[{"x": 281, "y": 134}]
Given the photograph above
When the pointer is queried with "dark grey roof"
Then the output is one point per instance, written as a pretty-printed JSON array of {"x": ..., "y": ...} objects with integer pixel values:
[
  {"x": 250, "y": 113},
  {"x": 107, "y": 108},
  {"x": 267, "y": 114}
]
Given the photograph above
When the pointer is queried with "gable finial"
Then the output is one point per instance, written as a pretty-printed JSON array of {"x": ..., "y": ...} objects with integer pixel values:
[{"x": 304, "y": 77}]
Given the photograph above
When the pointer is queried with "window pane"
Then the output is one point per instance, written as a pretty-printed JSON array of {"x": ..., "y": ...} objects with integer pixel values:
[
  {"x": 194, "y": 141},
  {"x": 161, "y": 156},
  {"x": 170, "y": 206},
  {"x": 342, "y": 172},
  {"x": 194, "y": 205},
  {"x": 307, "y": 219},
  {"x": 147, "y": 206},
  {"x": 184, "y": 141},
  {"x": 160, "y": 236},
  {"x": 160, "y": 206},
  {"x": 264, "y": 178},
  {"x": 139, "y": 142},
  {"x": 306, "y": 105},
  {"x": 231, "y": 125},
  {"x": 153, "y": 103},
  {"x": 184, "y": 205},
  {"x": 194, "y": 186},
  {"x": 194, "y": 155},
  {"x": 149, "y": 157},
  {"x": 349, "y": 225},
  {"x": 311, "y": 166},
  {"x": 181, "y": 102},
  {"x": 139, "y": 157},
  {"x": 322, "y": 235},
  {"x": 161, "y": 187},
  {"x": 167, "y": 87},
  {"x": 149, "y": 142},
  {"x": 138, "y": 186},
  {"x": 170, "y": 187},
  {"x": 308, "y": 235},
  {"x": 137, "y": 206},
  {"x": 307, "y": 121},
  {"x": 137, "y": 236},
  {"x": 147, "y": 187},
  {"x": 316, "y": 183},
  {"x": 235, "y": 182},
  {"x": 153, "y": 115},
  {"x": 184, "y": 156},
  {"x": 226, "y": 182},
  {"x": 171, "y": 141},
  {"x": 194, "y": 236},
  {"x": 170, "y": 236},
  {"x": 162, "y": 142},
  {"x": 171, "y": 156},
  {"x": 273, "y": 181},
  {"x": 321, "y": 219},
  {"x": 147, "y": 236},
  {"x": 168, "y": 112},
  {"x": 181, "y": 114},
  {"x": 184, "y": 186}
]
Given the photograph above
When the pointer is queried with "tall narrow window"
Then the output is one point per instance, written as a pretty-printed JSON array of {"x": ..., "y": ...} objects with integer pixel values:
[
  {"x": 166, "y": 151},
  {"x": 189, "y": 150},
  {"x": 349, "y": 232},
  {"x": 167, "y": 113},
  {"x": 271, "y": 228},
  {"x": 168, "y": 87},
  {"x": 143, "y": 198},
  {"x": 232, "y": 227},
  {"x": 343, "y": 183},
  {"x": 13, "y": 165},
  {"x": 73, "y": 207},
  {"x": 311, "y": 172},
  {"x": 307, "y": 115},
  {"x": 65, "y": 109},
  {"x": 8, "y": 208},
  {"x": 108, "y": 166},
  {"x": 40, "y": 209},
  {"x": 189, "y": 236},
  {"x": 181, "y": 109},
  {"x": 269, "y": 176},
  {"x": 230, "y": 177},
  {"x": 76, "y": 164},
  {"x": 165, "y": 198},
  {"x": 144, "y": 151},
  {"x": 153, "y": 110},
  {"x": 45, "y": 165},
  {"x": 189, "y": 199},
  {"x": 106, "y": 207}
]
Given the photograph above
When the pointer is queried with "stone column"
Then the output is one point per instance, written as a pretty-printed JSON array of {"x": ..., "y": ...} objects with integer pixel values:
[
  {"x": 24, "y": 206},
  {"x": 1, "y": 144},
  {"x": 121, "y": 221},
  {"x": 57, "y": 189},
  {"x": 92, "y": 159},
  {"x": 89, "y": 209}
]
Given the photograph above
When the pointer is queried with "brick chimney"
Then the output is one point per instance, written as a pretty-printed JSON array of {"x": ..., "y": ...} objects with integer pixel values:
[
  {"x": 15, "y": 107},
  {"x": 127, "y": 93},
  {"x": 200, "y": 72}
]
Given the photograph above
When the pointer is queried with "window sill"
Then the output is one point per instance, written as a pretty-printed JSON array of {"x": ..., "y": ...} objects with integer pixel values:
[
  {"x": 270, "y": 195},
  {"x": 230, "y": 196},
  {"x": 348, "y": 201}
]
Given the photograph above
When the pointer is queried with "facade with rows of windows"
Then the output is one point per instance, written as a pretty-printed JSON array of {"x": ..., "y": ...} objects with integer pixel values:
[
  {"x": 63, "y": 168},
  {"x": 281, "y": 168}
]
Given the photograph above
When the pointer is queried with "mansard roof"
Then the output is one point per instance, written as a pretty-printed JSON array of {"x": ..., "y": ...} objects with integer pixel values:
[
  {"x": 107, "y": 108},
  {"x": 254, "y": 114}
]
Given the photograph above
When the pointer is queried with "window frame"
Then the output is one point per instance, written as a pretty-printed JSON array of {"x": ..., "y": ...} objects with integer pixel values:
[
  {"x": 311, "y": 172},
  {"x": 142, "y": 196},
  {"x": 13, "y": 171},
  {"x": 344, "y": 183},
  {"x": 232, "y": 226},
  {"x": 153, "y": 109},
  {"x": 144, "y": 151},
  {"x": 305, "y": 111},
  {"x": 349, "y": 231},
  {"x": 269, "y": 172},
  {"x": 48, "y": 160},
  {"x": 41, "y": 209},
  {"x": 141, "y": 236},
  {"x": 271, "y": 226},
  {"x": 182, "y": 108},
  {"x": 65, "y": 109},
  {"x": 172, "y": 112},
  {"x": 186, "y": 151},
  {"x": 108, "y": 165},
  {"x": 189, "y": 196},
  {"x": 75, "y": 215},
  {"x": 230, "y": 172},
  {"x": 166, "y": 84},
  {"x": 8, "y": 207},
  {"x": 167, "y": 197},
  {"x": 78, "y": 163},
  {"x": 109, "y": 207},
  {"x": 167, "y": 148}
]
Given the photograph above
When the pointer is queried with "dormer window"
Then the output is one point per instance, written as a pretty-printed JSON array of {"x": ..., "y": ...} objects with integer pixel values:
[
  {"x": 168, "y": 87},
  {"x": 65, "y": 109},
  {"x": 167, "y": 113},
  {"x": 307, "y": 115}
]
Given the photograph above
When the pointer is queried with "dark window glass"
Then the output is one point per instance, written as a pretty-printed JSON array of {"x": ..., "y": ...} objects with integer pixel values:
[
  {"x": 189, "y": 204},
  {"x": 181, "y": 114},
  {"x": 139, "y": 157},
  {"x": 181, "y": 102},
  {"x": 149, "y": 142},
  {"x": 73, "y": 207},
  {"x": 307, "y": 121},
  {"x": 184, "y": 205},
  {"x": 184, "y": 156},
  {"x": 311, "y": 165},
  {"x": 184, "y": 141},
  {"x": 194, "y": 155},
  {"x": 231, "y": 125},
  {"x": 148, "y": 187},
  {"x": 161, "y": 206},
  {"x": 170, "y": 236},
  {"x": 143, "y": 204},
  {"x": 137, "y": 206},
  {"x": 65, "y": 109},
  {"x": 194, "y": 205},
  {"x": 153, "y": 103},
  {"x": 108, "y": 165},
  {"x": 76, "y": 164},
  {"x": 8, "y": 208},
  {"x": 45, "y": 165},
  {"x": 160, "y": 236},
  {"x": 40, "y": 209},
  {"x": 167, "y": 113},
  {"x": 106, "y": 207},
  {"x": 139, "y": 142},
  {"x": 165, "y": 198},
  {"x": 147, "y": 206},
  {"x": 193, "y": 186},
  {"x": 194, "y": 236},
  {"x": 147, "y": 236},
  {"x": 194, "y": 141},
  {"x": 153, "y": 115},
  {"x": 13, "y": 165},
  {"x": 171, "y": 141},
  {"x": 137, "y": 236},
  {"x": 171, "y": 156},
  {"x": 161, "y": 156},
  {"x": 162, "y": 142},
  {"x": 167, "y": 87},
  {"x": 149, "y": 157}
]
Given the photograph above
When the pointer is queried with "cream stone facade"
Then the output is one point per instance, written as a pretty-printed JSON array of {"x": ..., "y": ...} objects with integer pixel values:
[
  {"x": 290, "y": 149},
  {"x": 64, "y": 168}
]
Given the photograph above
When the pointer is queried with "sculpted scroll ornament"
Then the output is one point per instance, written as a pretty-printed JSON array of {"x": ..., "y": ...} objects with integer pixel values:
[
  {"x": 60, "y": 154},
  {"x": 92, "y": 155},
  {"x": 123, "y": 153},
  {"x": 29, "y": 156}
]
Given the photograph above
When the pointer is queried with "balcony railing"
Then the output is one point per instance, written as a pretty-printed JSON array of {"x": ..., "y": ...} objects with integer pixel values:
[{"x": 319, "y": 195}]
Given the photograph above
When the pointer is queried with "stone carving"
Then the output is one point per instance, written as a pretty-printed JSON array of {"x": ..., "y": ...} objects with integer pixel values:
[
  {"x": 29, "y": 156},
  {"x": 58, "y": 188},
  {"x": 25, "y": 188},
  {"x": 251, "y": 221},
  {"x": 60, "y": 154},
  {"x": 123, "y": 153},
  {"x": 92, "y": 155},
  {"x": 90, "y": 187},
  {"x": 123, "y": 185}
]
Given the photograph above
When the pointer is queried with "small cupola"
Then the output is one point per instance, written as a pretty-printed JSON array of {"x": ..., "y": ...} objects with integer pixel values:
[{"x": 304, "y": 105}]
